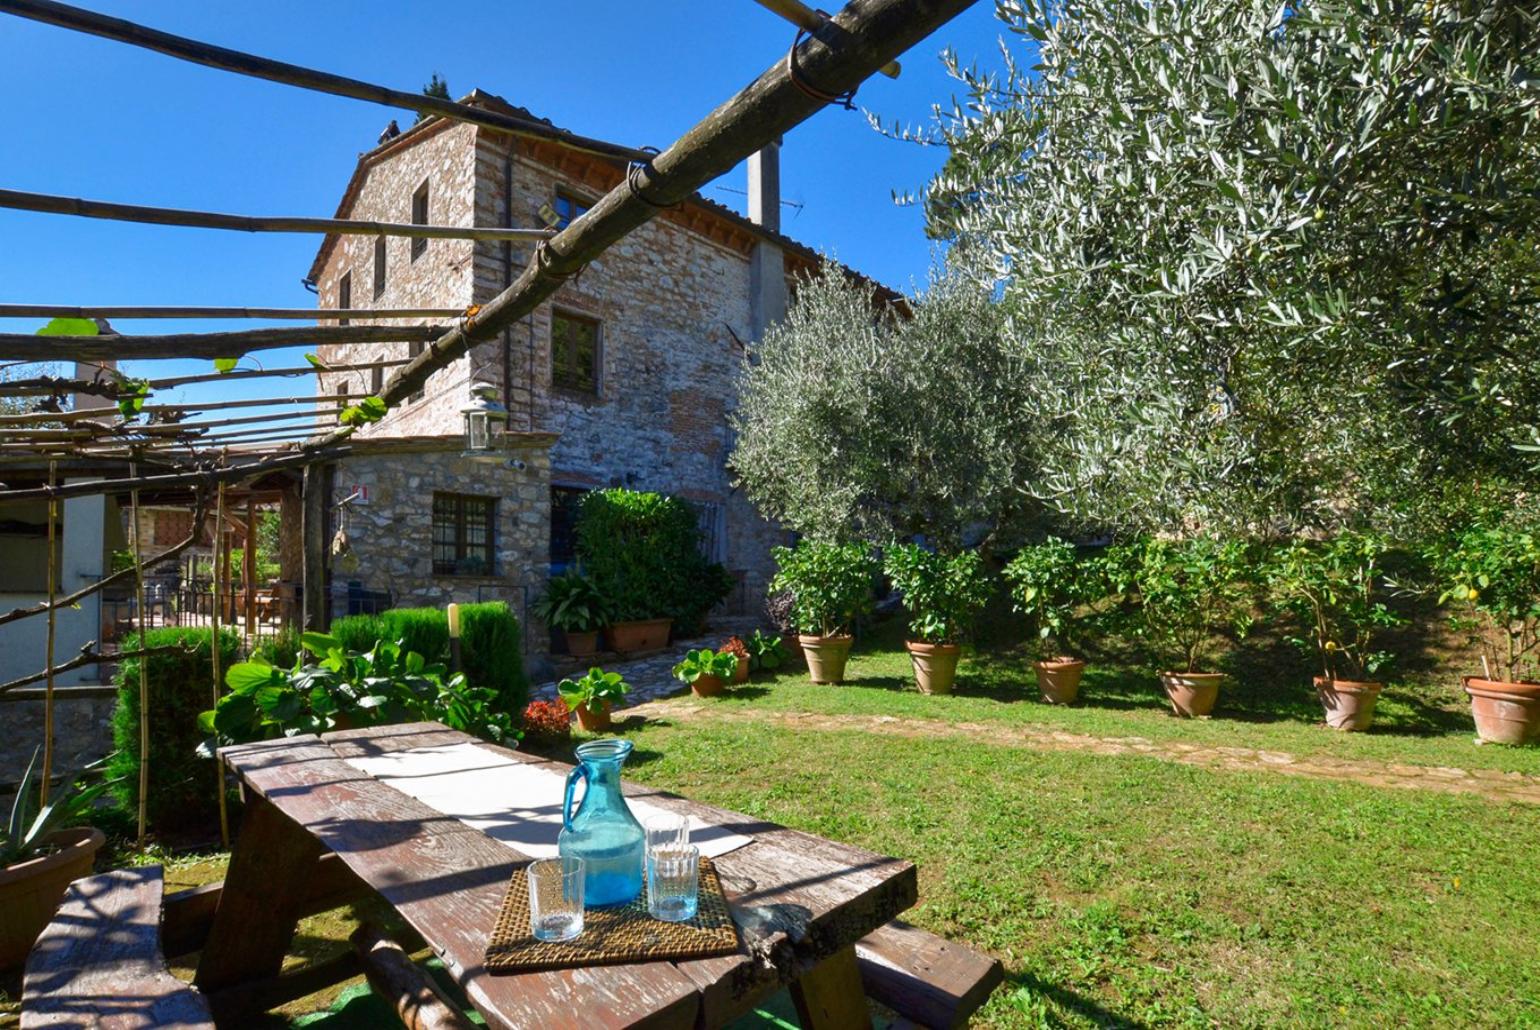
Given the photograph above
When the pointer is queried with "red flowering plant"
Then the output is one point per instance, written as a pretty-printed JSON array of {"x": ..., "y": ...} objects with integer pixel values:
[{"x": 547, "y": 722}]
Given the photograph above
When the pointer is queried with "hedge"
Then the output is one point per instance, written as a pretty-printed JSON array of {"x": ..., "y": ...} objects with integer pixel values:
[
  {"x": 489, "y": 642},
  {"x": 182, "y": 788},
  {"x": 642, "y": 550}
]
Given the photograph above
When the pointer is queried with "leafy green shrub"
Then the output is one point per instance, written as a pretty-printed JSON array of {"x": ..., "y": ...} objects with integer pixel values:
[
  {"x": 491, "y": 651},
  {"x": 345, "y": 689},
  {"x": 766, "y": 652},
  {"x": 1491, "y": 573},
  {"x": 942, "y": 593},
  {"x": 280, "y": 649},
  {"x": 1332, "y": 587},
  {"x": 830, "y": 584},
  {"x": 1188, "y": 592},
  {"x": 182, "y": 785},
  {"x": 705, "y": 662},
  {"x": 642, "y": 552},
  {"x": 1052, "y": 584}
]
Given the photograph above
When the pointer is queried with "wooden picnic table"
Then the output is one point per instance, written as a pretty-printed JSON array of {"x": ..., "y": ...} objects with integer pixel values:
[{"x": 803, "y": 901}]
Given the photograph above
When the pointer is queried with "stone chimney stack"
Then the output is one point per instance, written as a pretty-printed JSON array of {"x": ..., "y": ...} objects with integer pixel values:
[
  {"x": 89, "y": 370},
  {"x": 767, "y": 265}
]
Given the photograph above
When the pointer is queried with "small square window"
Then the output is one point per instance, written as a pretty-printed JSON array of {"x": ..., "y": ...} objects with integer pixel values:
[
  {"x": 565, "y": 502},
  {"x": 574, "y": 353},
  {"x": 568, "y": 209},
  {"x": 345, "y": 294},
  {"x": 379, "y": 267},
  {"x": 420, "y": 217},
  {"x": 463, "y": 530}
]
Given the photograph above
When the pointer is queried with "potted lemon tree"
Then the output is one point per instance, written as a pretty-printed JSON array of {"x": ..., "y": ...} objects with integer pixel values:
[
  {"x": 1333, "y": 588},
  {"x": 942, "y": 594},
  {"x": 1189, "y": 592},
  {"x": 1052, "y": 585},
  {"x": 1491, "y": 573},
  {"x": 830, "y": 585}
]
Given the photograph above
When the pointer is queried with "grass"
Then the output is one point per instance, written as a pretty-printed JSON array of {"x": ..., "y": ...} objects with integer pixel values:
[{"x": 1125, "y": 891}]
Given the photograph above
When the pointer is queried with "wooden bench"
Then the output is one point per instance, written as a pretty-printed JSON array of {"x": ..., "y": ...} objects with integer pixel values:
[
  {"x": 927, "y": 979},
  {"x": 99, "y": 962}
]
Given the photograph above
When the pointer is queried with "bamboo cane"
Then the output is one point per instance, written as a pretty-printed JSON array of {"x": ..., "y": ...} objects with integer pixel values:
[
  {"x": 144, "y": 669},
  {"x": 53, "y": 586},
  {"x": 219, "y": 602}
]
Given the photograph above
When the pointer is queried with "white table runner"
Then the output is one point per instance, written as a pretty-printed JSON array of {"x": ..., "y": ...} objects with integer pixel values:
[{"x": 513, "y": 802}]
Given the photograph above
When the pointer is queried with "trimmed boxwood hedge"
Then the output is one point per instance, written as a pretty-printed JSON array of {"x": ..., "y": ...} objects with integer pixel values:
[{"x": 180, "y": 686}]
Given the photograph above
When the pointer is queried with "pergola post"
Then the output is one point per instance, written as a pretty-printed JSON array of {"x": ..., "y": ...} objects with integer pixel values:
[{"x": 313, "y": 528}]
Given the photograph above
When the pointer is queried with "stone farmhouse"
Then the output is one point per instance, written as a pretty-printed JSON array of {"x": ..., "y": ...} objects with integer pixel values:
[{"x": 625, "y": 379}]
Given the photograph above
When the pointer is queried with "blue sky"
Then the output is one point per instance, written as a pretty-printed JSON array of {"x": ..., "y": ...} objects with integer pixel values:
[{"x": 98, "y": 119}]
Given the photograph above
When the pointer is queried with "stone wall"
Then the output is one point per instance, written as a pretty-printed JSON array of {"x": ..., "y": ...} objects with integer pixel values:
[
  {"x": 82, "y": 734},
  {"x": 390, "y": 536}
]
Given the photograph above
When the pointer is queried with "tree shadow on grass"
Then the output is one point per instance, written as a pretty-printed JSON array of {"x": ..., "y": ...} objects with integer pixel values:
[{"x": 1068, "y": 1001}]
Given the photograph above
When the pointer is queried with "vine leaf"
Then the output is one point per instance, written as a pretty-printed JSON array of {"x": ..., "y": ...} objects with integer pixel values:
[
  {"x": 223, "y": 365},
  {"x": 69, "y": 327}
]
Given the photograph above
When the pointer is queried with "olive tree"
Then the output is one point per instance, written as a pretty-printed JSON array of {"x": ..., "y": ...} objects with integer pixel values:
[
  {"x": 861, "y": 419},
  {"x": 1258, "y": 261}
]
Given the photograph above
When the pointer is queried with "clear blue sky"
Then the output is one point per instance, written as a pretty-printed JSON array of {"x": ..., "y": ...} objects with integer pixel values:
[{"x": 99, "y": 119}]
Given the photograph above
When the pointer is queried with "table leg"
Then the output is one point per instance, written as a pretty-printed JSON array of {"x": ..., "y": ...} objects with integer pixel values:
[
  {"x": 265, "y": 886},
  {"x": 831, "y": 996}
]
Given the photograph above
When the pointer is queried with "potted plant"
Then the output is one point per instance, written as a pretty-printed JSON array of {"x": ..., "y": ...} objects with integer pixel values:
[
  {"x": 942, "y": 594},
  {"x": 1188, "y": 592},
  {"x": 739, "y": 649},
  {"x": 1492, "y": 573},
  {"x": 592, "y": 696},
  {"x": 766, "y": 652},
  {"x": 830, "y": 584},
  {"x": 706, "y": 671},
  {"x": 573, "y": 605},
  {"x": 1051, "y": 585},
  {"x": 42, "y": 849},
  {"x": 1332, "y": 588}
]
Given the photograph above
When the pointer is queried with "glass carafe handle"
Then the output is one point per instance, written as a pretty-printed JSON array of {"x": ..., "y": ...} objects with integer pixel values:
[{"x": 579, "y": 772}]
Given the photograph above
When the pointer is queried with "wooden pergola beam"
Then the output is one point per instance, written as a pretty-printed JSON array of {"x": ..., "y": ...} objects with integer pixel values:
[
  {"x": 145, "y": 311},
  {"x": 192, "y": 477},
  {"x": 834, "y": 59},
  {"x": 54, "y": 205},
  {"x": 29, "y": 347},
  {"x": 183, "y": 48},
  {"x": 107, "y": 386},
  {"x": 152, "y": 410}
]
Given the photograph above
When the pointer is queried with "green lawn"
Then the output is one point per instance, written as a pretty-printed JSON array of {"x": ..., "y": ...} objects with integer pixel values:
[{"x": 1124, "y": 890}]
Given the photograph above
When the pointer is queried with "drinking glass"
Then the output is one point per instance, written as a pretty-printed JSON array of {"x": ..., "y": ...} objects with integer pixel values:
[
  {"x": 555, "y": 898},
  {"x": 668, "y": 830},
  {"x": 673, "y": 882}
]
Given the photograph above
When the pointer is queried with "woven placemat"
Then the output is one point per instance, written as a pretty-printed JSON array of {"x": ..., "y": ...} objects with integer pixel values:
[{"x": 612, "y": 936}]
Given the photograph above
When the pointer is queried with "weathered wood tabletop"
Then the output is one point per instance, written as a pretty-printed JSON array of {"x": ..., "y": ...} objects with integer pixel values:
[{"x": 803, "y": 901}]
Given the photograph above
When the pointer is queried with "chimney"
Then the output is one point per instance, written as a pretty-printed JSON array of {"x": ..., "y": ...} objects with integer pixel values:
[
  {"x": 767, "y": 265},
  {"x": 90, "y": 370}
]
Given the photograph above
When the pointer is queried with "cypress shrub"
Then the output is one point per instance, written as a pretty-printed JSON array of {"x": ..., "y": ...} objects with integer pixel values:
[
  {"x": 182, "y": 790},
  {"x": 359, "y": 632},
  {"x": 642, "y": 550},
  {"x": 491, "y": 652}
]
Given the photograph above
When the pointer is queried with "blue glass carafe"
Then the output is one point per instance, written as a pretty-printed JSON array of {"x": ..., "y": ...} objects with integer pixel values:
[{"x": 603, "y": 832}]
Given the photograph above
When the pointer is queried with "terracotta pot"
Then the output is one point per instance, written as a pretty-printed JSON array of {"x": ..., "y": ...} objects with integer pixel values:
[
  {"x": 708, "y": 686},
  {"x": 594, "y": 720},
  {"x": 935, "y": 665},
  {"x": 581, "y": 644},
  {"x": 30, "y": 891},
  {"x": 1349, "y": 704},
  {"x": 639, "y": 635},
  {"x": 1506, "y": 713},
  {"x": 1059, "y": 679},
  {"x": 826, "y": 657},
  {"x": 1192, "y": 694},
  {"x": 742, "y": 673}
]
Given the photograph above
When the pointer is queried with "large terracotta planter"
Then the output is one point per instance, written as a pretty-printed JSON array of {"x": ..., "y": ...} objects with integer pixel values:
[
  {"x": 826, "y": 657},
  {"x": 594, "y": 720},
  {"x": 581, "y": 644},
  {"x": 708, "y": 686},
  {"x": 935, "y": 666},
  {"x": 741, "y": 674},
  {"x": 30, "y": 890},
  {"x": 639, "y": 635},
  {"x": 1192, "y": 694},
  {"x": 1059, "y": 679},
  {"x": 1349, "y": 704},
  {"x": 1505, "y": 713}
]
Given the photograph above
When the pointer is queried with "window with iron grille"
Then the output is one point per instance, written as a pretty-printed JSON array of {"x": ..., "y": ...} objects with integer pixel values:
[
  {"x": 565, "y": 501},
  {"x": 574, "y": 353},
  {"x": 379, "y": 267},
  {"x": 420, "y": 217},
  {"x": 463, "y": 534}
]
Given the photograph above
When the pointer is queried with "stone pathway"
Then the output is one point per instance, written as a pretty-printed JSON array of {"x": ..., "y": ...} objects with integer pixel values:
[
  {"x": 1492, "y": 784},
  {"x": 652, "y": 677}
]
